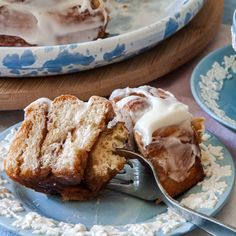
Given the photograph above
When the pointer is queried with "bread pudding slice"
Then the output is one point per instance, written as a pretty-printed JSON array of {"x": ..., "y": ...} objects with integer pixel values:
[
  {"x": 73, "y": 128},
  {"x": 58, "y": 141},
  {"x": 103, "y": 162}
]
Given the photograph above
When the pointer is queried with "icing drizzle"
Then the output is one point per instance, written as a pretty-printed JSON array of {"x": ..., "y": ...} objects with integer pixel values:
[
  {"x": 163, "y": 125},
  {"x": 157, "y": 109}
]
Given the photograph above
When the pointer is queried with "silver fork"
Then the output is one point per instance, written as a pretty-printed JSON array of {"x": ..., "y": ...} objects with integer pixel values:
[{"x": 139, "y": 179}]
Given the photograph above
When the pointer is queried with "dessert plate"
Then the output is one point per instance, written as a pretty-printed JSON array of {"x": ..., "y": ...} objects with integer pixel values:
[
  {"x": 25, "y": 212},
  {"x": 128, "y": 36},
  {"x": 213, "y": 85}
]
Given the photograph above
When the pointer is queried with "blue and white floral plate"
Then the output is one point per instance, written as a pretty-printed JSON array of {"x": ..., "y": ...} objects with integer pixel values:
[
  {"x": 213, "y": 85},
  {"x": 132, "y": 31},
  {"x": 25, "y": 212}
]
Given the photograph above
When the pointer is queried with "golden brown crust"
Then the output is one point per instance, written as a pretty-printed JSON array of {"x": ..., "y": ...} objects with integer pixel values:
[
  {"x": 65, "y": 97},
  {"x": 95, "y": 4},
  {"x": 198, "y": 127},
  {"x": 104, "y": 163},
  {"x": 174, "y": 188},
  {"x": 21, "y": 147},
  {"x": 12, "y": 41},
  {"x": 77, "y": 193},
  {"x": 19, "y": 141}
]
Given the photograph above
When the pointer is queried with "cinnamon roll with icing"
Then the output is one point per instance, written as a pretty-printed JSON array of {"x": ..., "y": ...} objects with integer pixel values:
[
  {"x": 51, "y": 22},
  {"x": 165, "y": 132}
]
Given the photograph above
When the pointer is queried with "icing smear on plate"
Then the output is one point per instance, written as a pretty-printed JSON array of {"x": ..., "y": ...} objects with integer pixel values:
[{"x": 211, "y": 188}]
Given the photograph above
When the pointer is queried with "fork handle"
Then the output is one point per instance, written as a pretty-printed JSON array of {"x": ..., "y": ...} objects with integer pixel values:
[{"x": 208, "y": 224}]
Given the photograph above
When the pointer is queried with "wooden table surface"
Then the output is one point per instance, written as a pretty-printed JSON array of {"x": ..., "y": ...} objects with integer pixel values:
[{"x": 182, "y": 75}]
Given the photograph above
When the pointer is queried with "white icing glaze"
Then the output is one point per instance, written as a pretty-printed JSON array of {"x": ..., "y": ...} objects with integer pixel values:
[
  {"x": 81, "y": 110},
  {"x": 44, "y": 21},
  {"x": 40, "y": 101},
  {"x": 144, "y": 90},
  {"x": 176, "y": 167},
  {"x": 161, "y": 112}
]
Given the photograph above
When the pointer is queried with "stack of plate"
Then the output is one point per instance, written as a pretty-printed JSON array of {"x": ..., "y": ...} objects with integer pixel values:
[{"x": 233, "y": 30}]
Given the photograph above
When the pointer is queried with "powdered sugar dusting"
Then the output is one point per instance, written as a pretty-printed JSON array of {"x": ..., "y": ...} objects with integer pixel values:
[
  {"x": 212, "y": 83},
  {"x": 211, "y": 188}
]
